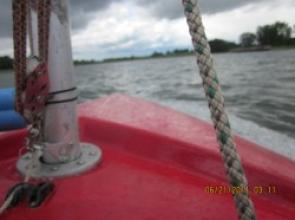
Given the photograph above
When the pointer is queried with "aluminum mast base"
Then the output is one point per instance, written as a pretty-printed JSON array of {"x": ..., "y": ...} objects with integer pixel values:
[{"x": 90, "y": 156}]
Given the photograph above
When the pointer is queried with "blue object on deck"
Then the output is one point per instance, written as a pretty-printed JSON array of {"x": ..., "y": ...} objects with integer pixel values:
[
  {"x": 9, "y": 118},
  {"x": 7, "y": 99}
]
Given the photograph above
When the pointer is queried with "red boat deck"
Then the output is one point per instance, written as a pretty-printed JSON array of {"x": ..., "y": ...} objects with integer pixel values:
[{"x": 156, "y": 164}]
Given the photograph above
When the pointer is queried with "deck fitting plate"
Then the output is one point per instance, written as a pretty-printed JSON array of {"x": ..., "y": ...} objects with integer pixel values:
[{"x": 90, "y": 156}]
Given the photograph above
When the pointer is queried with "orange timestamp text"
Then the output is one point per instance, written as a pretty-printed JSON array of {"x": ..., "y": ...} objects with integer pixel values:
[{"x": 222, "y": 189}]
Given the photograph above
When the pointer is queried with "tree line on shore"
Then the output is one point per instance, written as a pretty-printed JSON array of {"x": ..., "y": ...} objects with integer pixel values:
[{"x": 275, "y": 35}]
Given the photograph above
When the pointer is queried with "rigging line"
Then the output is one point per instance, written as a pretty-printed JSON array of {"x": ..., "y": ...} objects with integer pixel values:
[
  {"x": 19, "y": 11},
  {"x": 61, "y": 101},
  {"x": 62, "y": 91}
]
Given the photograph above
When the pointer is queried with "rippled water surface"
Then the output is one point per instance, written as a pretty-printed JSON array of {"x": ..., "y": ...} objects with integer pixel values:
[{"x": 259, "y": 88}]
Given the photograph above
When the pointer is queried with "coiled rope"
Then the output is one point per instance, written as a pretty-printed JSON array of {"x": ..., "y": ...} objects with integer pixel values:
[{"x": 219, "y": 116}]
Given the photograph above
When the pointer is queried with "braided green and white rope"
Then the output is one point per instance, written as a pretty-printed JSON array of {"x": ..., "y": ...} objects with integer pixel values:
[{"x": 219, "y": 116}]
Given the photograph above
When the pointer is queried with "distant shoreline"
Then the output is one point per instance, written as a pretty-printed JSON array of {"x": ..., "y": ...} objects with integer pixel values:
[
  {"x": 241, "y": 50},
  {"x": 175, "y": 53},
  {"x": 251, "y": 49},
  {"x": 183, "y": 53}
]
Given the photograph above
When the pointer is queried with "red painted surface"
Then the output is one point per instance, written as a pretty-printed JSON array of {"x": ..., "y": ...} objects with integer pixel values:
[{"x": 156, "y": 165}]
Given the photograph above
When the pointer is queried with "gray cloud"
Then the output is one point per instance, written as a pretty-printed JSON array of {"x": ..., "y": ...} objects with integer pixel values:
[
  {"x": 5, "y": 18},
  {"x": 81, "y": 14},
  {"x": 170, "y": 9},
  {"x": 83, "y": 11},
  {"x": 173, "y": 9}
]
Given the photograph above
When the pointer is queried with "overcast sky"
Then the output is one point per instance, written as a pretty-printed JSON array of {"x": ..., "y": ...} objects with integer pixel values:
[{"x": 111, "y": 28}]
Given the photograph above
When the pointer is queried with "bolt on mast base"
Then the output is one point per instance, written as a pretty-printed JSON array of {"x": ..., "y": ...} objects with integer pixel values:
[{"x": 90, "y": 156}]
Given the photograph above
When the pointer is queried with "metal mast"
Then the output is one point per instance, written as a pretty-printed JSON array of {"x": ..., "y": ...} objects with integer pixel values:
[{"x": 63, "y": 154}]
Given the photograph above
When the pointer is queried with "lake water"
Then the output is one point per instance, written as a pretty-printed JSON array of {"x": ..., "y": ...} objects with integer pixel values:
[{"x": 259, "y": 89}]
